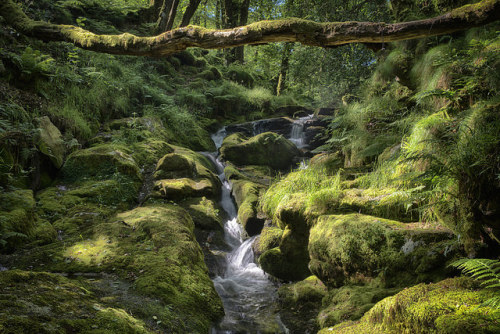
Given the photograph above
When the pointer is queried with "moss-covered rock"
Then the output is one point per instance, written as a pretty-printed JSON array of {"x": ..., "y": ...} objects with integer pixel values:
[
  {"x": 299, "y": 303},
  {"x": 149, "y": 151},
  {"x": 184, "y": 174},
  {"x": 177, "y": 189},
  {"x": 268, "y": 149},
  {"x": 262, "y": 175},
  {"x": 357, "y": 247},
  {"x": 150, "y": 252},
  {"x": 246, "y": 195},
  {"x": 450, "y": 306},
  {"x": 241, "y": 77},
  {"x": 350, "y": 302},
  {"x": 38, "y": 302},
  {"x": 173, "y": 165},
  {"x": 102, "y": 161},
  {"x": 290, "y": 260},
  {"x": 17, "y": 217},
  {"x": 269, "y": 238},
  {"x": 49, "y": 141},
  {"x": 205, "y": 213}
]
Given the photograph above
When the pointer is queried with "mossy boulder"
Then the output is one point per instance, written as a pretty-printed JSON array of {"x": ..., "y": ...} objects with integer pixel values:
[
  {"x": 355, "y": 247},
  {"x": 299, "y": 303},
  {"x": 269, "y": 238},
  {"x": 262, "y": 175},
  {"x": 39, "y": 302},
  {"x": 241, "y": 77},
  {"x": 177, "y": 189},
  {"x": 184, "y": 174},
  {"x": 267, "y": 149},
  {"x": 49, "y": 141},
  {"x": 149, "y": 151},
  {"x": 246, "y": 194},
  {"x": 205, "y": 213},
  {"x": 102, "y": 161},
  {"x": 153, "y": 248},
  {"x": 448, "y": 307},
  {"x": 173, "y": 165},
  {"x": 17, "y": 218},
  {"x": 350, "y": 302},
  {"x": 289, "y": 261}
]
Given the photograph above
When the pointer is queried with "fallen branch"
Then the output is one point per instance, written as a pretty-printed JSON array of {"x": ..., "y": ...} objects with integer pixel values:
[{"x": 289, "y": 30}]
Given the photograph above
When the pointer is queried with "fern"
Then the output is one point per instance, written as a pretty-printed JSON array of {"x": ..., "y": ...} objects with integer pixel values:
[{"x": 485, "y": 270}]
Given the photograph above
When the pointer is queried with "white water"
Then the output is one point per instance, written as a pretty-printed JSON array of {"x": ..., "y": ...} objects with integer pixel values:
[
  {"x": 246, "y": 292},
  {"x": 297, "y": 136}
]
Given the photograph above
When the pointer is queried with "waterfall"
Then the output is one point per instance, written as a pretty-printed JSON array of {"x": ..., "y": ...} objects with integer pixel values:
[
  {"x": 298, "y": 136},
  {"x": 246, "y": 292}
]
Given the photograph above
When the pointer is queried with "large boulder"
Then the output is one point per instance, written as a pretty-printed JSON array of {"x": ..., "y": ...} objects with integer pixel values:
[
  {"x": 173, "y": 165},
  {"x": 185, "y": 174},
  {"x": 279, "y": 125},
  {"x": 452, "y": 306},
  {"x": 246, "y": 195},
  {"x": 289, "y": 261},
  {"x": 346, "y": 247},
  {"x": 49, "y": 141},
  {"x": 102, "y": 161},
  {"x": 17, "y": 217},
  {"x": 268, "y": 149}
]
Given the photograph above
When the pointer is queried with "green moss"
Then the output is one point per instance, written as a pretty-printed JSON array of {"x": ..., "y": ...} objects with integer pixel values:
[
  {"x": 48, "y": 303},
  {"x": 269, "y": 238},
  {"x": 241, "y": 77},
  {"x": 101, "y": 161},
  {"x": 148, "y": 152},
  {"x": 350, "y": 302},
  {"x": 176, "y": 189},
  {"x": 268, "y": 149},
  {"x": 299, "y": 302},
  {"x": 173, "y": 166},
  {"x": 358, "y": 248},
  {"x": 426, "y": 308},
  {"x": 49, "y": 141},
  {"x": 17, "y": 217},
  {"x": 168, "y": 264},
  {"x": 205, "y": 213}
]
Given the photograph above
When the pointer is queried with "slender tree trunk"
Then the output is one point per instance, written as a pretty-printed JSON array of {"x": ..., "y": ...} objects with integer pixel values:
[
  {"x": 166, "y": 16},
  {"x": 285, "y": 65},
  {"x": 190, "y": 10},
  {"x": 240, "y": 50},
  {"x": 231, "y": 21},
  {"x": 162, "y": 18},
  {"x": 171, "y": 15}
]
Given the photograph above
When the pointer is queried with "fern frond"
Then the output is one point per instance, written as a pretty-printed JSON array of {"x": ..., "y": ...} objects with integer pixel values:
[
  {"x": 485, "y": 270},
  {"x": 493, "y": 302}
]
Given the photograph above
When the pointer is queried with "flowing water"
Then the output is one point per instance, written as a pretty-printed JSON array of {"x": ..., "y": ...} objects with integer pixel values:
[
  {"x": 298, "y": 136},
  {"x": 248, "y": 296}
]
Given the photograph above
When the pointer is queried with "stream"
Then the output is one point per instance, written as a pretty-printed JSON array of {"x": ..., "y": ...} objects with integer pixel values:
[{"x": 249, "y": 297}]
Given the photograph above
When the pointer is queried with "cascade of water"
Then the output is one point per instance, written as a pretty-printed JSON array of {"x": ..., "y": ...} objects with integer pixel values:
[
  {"x": 297, "y": 136},
  {"x": 245, "y": 290}
]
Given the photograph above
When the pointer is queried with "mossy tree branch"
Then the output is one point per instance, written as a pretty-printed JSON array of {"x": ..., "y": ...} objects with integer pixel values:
[{"x": 290, "y": 30}]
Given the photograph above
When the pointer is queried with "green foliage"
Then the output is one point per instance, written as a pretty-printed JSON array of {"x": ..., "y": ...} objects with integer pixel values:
[
  {"x": 487, "y": 272},
  {"x": 316, "y": 183}
]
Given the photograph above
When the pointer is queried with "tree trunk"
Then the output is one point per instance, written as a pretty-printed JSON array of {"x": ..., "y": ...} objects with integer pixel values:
[
  {"x": 290, "y": 30},
  {"x": 166, "y": 16},
  {"x": 240, "y": 50},
  {"x": 231, "y": 21},
  {"x": 190, "y": 10},
  {"x": 285, "y": 65}
]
